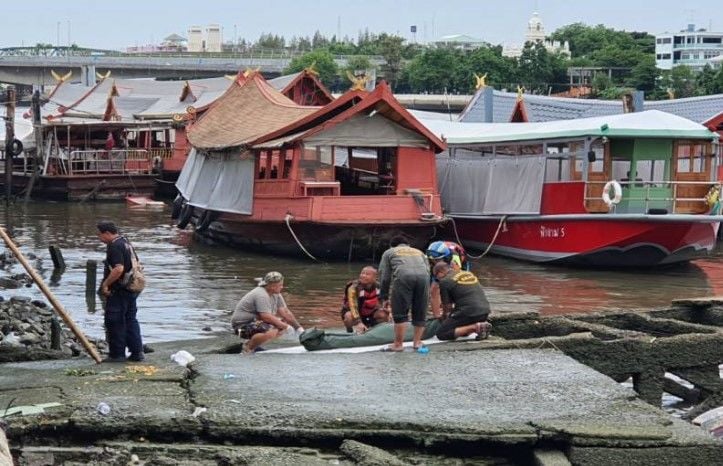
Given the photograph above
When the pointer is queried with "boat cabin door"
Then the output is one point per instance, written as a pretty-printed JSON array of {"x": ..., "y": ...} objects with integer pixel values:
[{"x": 642, "y": 167}]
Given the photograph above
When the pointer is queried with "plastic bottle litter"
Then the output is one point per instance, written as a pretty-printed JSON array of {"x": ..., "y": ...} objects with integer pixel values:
[
  {"x": 103, "y": 408},
  {"x": 228, "y": 376},
  {"x": 423, "y": 350},
  {"x": 182, "y": 358},
  {"x": 199, "y": 410}
]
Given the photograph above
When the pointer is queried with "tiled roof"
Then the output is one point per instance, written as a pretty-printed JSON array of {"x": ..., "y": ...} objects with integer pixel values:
[
  {"x": 245, "y": 112},
  {"x": 699, "y": 109},
  {"x": 546, "y": 108}
]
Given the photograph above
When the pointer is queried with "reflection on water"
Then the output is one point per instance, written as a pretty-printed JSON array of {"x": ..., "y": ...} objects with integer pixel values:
[{"x": 193, "y": 285}]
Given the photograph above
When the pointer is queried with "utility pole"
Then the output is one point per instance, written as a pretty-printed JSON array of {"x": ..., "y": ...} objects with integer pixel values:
[{"x": 9, "y": 138}]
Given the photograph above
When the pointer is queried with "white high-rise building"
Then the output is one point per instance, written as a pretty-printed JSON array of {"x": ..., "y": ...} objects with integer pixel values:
[
  {"x": 195, "y": 39},
  {"x": 690, "y": 47},
  {"x": 209, "y": 40},
  {"x": 213, "y": 38}
]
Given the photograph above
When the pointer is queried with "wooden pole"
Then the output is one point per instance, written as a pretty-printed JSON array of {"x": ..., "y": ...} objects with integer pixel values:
[
  {"x": 57, "y": 257},
  {"x": 91, "y": 271},
  {"x": 48, "y": 294},
  {"x": 38, "y": 130},
  {"x": 9, "y": 137},
  {"x": 5, "y": 457}
]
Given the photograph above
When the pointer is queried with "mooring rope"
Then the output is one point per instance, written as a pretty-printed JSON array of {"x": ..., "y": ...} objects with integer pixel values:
[
  {"x": 494, "y": 238},
  {"x": 287, "y": 218}
]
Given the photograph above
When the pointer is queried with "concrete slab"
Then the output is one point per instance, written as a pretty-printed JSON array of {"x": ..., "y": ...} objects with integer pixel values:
[{"x": 512, "y": 394}]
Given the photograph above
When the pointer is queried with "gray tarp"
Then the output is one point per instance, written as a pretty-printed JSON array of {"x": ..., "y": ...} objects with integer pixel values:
[
  {"x": 234, "y": 190},
  {"x": 491, "y": 185},
  {"x": 219, "y": 182},
  {"x": 189, "y": 174}
]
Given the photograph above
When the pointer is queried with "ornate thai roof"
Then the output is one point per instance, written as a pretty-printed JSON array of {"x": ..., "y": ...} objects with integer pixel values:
[{"x": 248, "y": 110}]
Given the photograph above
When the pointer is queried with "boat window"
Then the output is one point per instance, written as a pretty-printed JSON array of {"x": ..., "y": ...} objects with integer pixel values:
[
  {"x": 557, "y": 169},
  {"x": 652, "y": 172},
  {"x": 691, "y": 158},
  {"x": 317, "y": 163}
]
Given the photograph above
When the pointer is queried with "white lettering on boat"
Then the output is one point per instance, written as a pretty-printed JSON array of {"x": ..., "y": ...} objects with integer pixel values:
[{"x": 547, "y": 232}]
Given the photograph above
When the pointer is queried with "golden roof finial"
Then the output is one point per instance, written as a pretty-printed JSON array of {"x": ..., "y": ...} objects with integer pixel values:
[
  {"x": 102, "y": 76},
  {"x": 520, "y": 93},
  {"x": 251, "y": 71},
  {"x": 358, "y": 83},
  {"x": 61, "y": 79},
  {"x": 311, "y": 69},
  {"x": 480, "y": 81}
]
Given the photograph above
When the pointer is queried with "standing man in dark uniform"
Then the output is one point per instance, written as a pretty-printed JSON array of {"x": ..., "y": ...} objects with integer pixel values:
[
  {"x": 121, "y": 325},
  {"x": 405, "y": 270},
  {"x": 464, "y": 305}
]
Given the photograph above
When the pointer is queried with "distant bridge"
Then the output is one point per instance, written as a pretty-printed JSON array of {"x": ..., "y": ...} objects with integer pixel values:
[{"x": 32, "y": 65}]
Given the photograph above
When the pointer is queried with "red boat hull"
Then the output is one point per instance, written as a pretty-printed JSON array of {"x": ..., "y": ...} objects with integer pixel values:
[{"x": 591, "y": 242}]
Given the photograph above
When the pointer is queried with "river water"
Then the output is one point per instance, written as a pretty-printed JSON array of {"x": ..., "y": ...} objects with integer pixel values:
[{"x": 194, "y": 286}]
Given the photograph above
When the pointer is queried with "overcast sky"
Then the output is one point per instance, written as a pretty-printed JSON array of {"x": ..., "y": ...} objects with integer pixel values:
[{"x": 119, "y": 24}]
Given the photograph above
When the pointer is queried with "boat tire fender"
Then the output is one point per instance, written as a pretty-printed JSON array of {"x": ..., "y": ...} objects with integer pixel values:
[
  {"x": 617, "y": 193},
  {"x": 184, "y": 216},
  {"x": 177, "y": 206},
  {"x": 205, "y": 220},
  {"x": 16, "y": 147}
]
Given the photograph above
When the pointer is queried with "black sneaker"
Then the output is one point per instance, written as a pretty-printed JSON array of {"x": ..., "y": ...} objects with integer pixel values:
[{"x": 136, "y": 357}]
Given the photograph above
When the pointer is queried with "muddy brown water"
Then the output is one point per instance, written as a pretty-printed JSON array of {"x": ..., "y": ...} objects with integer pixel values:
[{"x": 193, "y": 286}]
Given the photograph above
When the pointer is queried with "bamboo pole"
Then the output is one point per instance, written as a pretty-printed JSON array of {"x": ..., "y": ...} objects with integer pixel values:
[{"x": 48, "y": 294}]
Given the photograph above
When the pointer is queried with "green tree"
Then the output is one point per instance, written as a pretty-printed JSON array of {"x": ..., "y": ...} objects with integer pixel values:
[
  {"x": 706, "y": 80},
  {"x": 644, "y": 75},
  {"x": 323, "y": 62},
  {"x": 435, "y": 70},
  {"x": 539, "y": 70},
  {"x": 682, "y": 82},
  {"x": 501, "y": 71}
]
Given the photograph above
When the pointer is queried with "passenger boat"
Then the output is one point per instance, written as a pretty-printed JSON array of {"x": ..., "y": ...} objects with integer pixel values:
[
  {"x": 628, "y": 190},
  {"x": 334, "y": 182}
]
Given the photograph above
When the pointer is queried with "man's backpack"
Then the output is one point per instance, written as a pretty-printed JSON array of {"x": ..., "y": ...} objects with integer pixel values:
[{"x": 134, "y": 280}]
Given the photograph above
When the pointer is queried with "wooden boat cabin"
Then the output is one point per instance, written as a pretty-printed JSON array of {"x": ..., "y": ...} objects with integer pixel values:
[{"x": 335, "y": 181}]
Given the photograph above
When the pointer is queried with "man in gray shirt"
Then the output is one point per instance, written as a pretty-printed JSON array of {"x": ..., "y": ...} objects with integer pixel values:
[
  {"x": 405, "y": 271},
  {"x": 262, "y": 315}
]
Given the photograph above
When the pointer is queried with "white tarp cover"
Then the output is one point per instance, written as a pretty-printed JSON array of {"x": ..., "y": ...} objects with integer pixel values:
[
  {"x": 651, "y": 123},
  {"x": 368, "y": 131},
  {"x": 491, "y": 185},
  {"x": 217, "y": 181}
]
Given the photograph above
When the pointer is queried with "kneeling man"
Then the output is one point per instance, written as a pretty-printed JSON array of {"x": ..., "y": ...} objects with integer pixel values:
[
  {"x": 362, "y": 307},
  {"x": 255, "y": 317},
  {"x": 464, "y": 304}
]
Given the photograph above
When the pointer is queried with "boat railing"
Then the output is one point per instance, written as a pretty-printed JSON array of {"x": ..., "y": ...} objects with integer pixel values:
[
  {"x": 161, "y": 153},
  {"x": 115, "y": 161},
  {"x": 673, "y": 197}
]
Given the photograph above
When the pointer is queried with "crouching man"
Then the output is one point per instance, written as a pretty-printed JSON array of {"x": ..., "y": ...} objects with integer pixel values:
[
  {"x": 262, "y": 315},
  {"x": 464, "y": 305}
]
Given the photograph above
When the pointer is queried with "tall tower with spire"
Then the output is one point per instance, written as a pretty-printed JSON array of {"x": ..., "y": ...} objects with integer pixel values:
[{"x": 535, "y": 29}]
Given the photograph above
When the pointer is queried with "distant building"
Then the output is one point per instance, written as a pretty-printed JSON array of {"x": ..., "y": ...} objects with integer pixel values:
[
  {"x": 171, "y": 44},
  {"x": 208, "y": 40},
  {"x": 536, "y": 33},
  {"x": 213, "y": 38},
  {"x": 689, "y": 47},
  {"x": 459, "y": 41},
  {"x": 195, "y": 39}
]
